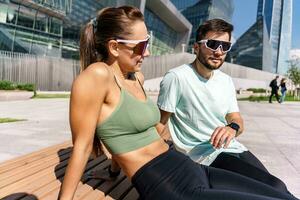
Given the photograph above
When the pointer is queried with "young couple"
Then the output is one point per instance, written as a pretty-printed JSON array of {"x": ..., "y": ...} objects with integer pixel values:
[{"x": 108, "y": 97}]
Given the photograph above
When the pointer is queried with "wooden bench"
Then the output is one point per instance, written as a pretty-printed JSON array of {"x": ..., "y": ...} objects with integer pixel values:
[{"x": 39, "y": 175}]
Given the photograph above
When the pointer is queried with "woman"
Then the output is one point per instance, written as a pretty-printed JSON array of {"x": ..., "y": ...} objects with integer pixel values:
[
  {"x": 108, "y": 97},
  {"x": 282, "y": 89}
]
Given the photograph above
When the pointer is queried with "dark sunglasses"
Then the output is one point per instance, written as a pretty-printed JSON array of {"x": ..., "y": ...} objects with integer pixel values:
[
  {"x": 215, "y": 44},
  {"x": 140, "y": 45}
]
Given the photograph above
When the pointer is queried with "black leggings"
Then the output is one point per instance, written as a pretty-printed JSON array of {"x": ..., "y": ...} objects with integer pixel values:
[
  {"x": 172, "y": 175},
  {"x": 248, "y": 165}
]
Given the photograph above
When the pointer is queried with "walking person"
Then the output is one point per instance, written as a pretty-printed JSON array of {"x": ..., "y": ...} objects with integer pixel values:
[
  {"x": 108, "y": 103},
  {"x": 274, "y": 89},
  {"x": 282, "y": 90}
]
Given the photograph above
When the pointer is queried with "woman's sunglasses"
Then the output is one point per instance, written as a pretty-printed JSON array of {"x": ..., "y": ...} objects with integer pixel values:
[
  {"x": 214, "y": 45},
  {"x": 140, "y": 45}
]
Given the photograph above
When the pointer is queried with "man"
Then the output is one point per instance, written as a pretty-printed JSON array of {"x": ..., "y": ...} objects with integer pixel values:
[
  {"x": 274, "y": 91},
  {"x": 199, "y": 101}
]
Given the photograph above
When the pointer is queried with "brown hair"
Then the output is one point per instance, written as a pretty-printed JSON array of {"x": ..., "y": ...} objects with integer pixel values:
[
  {"x": 216, "y": 25},
  {"x": 110, "y": 23}
]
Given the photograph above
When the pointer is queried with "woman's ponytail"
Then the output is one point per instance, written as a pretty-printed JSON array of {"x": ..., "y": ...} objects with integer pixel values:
[{"x": 87, "y": 51}]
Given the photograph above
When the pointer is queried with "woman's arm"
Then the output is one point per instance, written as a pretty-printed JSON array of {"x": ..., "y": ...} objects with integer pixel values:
[
  {"x": 87, "y": 97},
  {"x": 114, "y": 167}
]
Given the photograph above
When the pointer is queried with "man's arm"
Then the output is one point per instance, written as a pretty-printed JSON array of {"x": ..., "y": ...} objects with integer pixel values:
[
  {"x": 225, "y": 134},
  {"x": 162, "y": 127},
  {"x": 236, "y": 118}
]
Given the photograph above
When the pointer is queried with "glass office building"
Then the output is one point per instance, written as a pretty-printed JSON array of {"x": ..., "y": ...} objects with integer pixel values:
[
  {"x": 164, "y": 38},
  {"x": 266, "y": 45},
  {"x": 52, "y": 28},
  {"x": 34, "y": 26},
  {"x": 201, "y": 10},
  {"x": 82, "y": 12}
]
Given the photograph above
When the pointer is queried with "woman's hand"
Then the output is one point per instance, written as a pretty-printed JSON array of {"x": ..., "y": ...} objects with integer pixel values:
[{"x": 109, "y": 174}]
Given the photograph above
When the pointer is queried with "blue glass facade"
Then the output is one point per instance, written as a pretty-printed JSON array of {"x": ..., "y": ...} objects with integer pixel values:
[
  {"x": 82, "y": 12},
  {"x": 163, "y": 37},
  {"x": 274, "y": 19},
  {"x": 181, "y": 5},
  {"x": 248, "y": 49},
  {"x": 285, "y": 37},
  {"x": 32, "y": 27},
  {"x": 196, "y": 12}
]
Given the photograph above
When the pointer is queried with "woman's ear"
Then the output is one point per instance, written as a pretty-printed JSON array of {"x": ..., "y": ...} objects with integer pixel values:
[{"x": 113, "y": 48}]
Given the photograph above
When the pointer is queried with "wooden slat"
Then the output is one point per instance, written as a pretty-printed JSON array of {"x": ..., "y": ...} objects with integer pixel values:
[
  {"x": 132, "y": 195},
  {"x": 23, "y": 160},
  {"x": 40, "y": 179},
  {"x": 32, "y": 182},
  {"x": 41, "y": 192},
  {"x": 30, "y": 169},
  {"x": 120, "y": 191},
  {"x": 89, "y": 185},
  {"x": 95, "y": 195},
  {"x": 101, "y": 161},
  {"x": 105, "y": 188}
]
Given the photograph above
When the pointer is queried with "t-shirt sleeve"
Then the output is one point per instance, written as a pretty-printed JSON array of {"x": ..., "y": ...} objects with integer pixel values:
[
  {"x": 233, "y": 105},
  {"x": 169, "y": 93}
]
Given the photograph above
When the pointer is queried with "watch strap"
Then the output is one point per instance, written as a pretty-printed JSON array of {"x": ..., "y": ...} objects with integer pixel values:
[{"x": 234, "y": 126}]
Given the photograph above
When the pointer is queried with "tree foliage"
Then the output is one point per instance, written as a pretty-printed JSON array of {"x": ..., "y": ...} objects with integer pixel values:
[{"x": 293, "y": 72}]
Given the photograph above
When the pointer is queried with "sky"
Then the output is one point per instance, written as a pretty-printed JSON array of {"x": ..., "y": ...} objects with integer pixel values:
[{"x": 244, "y": 16}]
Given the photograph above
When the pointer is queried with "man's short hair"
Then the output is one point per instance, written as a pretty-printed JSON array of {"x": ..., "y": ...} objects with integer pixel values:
[{"x": 215, "y": 25}]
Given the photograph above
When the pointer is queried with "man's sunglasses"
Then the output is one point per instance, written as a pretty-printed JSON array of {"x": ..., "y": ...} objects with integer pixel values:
[
  {"x": 214, "y": 45},
  {"x": 140, "y": 45}
]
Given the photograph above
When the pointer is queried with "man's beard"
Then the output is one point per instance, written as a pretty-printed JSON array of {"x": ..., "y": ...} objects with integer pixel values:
[{"x": 202, "y": 60}]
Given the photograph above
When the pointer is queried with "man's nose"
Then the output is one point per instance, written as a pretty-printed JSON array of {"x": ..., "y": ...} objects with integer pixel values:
[{"x": 219, "y": 50}]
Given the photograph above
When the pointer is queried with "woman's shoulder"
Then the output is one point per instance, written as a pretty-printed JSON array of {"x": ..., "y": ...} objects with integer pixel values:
[
  {"x": 95, "y": 75},
  {"x": 97, "y": 70}
]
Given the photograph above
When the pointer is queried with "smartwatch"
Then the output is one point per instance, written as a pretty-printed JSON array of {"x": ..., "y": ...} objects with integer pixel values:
[{"x": 234, "y": 126}]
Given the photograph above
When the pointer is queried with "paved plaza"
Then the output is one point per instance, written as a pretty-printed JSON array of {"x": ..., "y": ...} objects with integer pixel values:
[{"x": 272, "y": 132}]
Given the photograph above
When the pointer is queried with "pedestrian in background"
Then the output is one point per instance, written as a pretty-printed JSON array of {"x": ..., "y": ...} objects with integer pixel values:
[
  {"x": 274, "y": 91},
  {"x": 282, "y": 90}
]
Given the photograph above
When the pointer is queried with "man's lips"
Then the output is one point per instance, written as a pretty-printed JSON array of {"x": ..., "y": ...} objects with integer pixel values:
[{"x": 215, "y": 59}]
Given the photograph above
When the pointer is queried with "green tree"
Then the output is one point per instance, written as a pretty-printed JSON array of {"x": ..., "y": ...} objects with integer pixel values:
[{"x": 293, "y": 72}]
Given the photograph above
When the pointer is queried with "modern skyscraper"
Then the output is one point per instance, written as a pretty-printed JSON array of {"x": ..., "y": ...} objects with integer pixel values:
[
  {"x": 267, "y": 43},
  {"x": 198, "y": 11}
]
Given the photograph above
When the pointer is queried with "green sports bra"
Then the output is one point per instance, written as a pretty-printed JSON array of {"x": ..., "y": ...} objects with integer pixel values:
[{"x": 130, "y": 126}]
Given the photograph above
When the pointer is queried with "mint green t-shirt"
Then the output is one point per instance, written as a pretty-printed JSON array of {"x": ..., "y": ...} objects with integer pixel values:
[{"x": 199, "y": 106}]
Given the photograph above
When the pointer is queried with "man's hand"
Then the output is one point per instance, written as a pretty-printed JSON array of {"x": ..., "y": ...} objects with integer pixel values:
[{"x": 222, "y": 135}]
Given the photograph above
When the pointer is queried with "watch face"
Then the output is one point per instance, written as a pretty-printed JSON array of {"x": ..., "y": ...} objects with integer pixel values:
[{"x": 234, "y": 126}]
